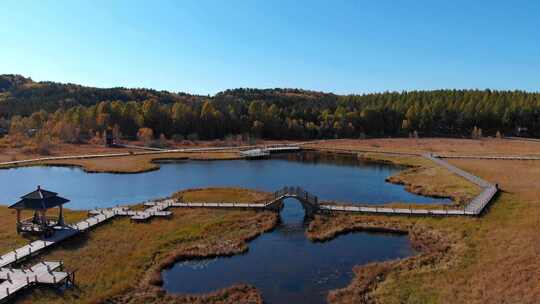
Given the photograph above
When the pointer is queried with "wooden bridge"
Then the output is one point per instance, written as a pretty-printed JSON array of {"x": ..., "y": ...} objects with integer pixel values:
[
  {"x": 267, "y": 150},
  {"x": 44, "y": 273},
  {"x": 312, "y": 205},
  {"x": 473, "y": 208},
  {"x": 15, "y": 280},
  {"x": 309, "y": 202}
]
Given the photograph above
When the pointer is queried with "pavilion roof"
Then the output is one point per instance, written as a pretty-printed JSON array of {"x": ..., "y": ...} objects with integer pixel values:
[{"x": 39, "y": 199}]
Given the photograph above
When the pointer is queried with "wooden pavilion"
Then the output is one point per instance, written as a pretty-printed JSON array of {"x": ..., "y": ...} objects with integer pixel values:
[{"x": 39, "y": 201}]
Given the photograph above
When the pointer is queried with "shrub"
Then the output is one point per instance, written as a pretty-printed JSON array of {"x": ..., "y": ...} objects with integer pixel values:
[
  {"x": 178, "y": 138},
  {"x": 43, "y": 147}
]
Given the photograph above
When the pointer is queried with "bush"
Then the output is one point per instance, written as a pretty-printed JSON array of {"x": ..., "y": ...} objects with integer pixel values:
[
  {"x": 178, "y": 138},
  {"x": 42, "y": 144},
  {"x": 43, "y": 148}
]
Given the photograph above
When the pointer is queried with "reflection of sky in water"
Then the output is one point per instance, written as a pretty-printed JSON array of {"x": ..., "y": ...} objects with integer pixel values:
[
  {"x": 342, "y": 179},
  {"x": 285, "y": 266}
]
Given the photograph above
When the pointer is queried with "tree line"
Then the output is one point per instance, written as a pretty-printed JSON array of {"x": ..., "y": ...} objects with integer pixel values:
[{"x": 263, "y": 113}]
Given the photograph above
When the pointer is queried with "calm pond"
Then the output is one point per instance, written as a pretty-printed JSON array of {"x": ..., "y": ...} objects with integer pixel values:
[{"x": 335, "y": 177}]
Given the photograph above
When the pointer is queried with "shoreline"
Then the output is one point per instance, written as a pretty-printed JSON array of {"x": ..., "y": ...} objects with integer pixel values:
[
  {"x": 150, "y": 163},
  {"x": 431, "y": 245}
]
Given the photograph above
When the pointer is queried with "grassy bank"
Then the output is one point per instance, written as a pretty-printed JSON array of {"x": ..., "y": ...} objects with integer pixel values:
[
  {"x": 138, "y": 163},
  {"x": 135, "y": 163},
  {"x": 120, "y": 260},
  {"x": 427, "y": 178}
]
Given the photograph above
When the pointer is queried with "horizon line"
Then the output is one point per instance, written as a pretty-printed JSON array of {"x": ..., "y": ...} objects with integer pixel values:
[{"x": 209, "y": 95}]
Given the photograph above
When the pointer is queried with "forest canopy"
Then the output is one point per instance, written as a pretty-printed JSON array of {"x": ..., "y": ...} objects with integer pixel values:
[{"x": 74, "y": 113}]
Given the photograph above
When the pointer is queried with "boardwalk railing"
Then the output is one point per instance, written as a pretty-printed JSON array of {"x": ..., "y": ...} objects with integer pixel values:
[
  {"x": 468, "y": 176},
  {"x": 267, "y": 150},
  {"x": 492, "y": 157},
  {"x": 122, "y": 154},
  {"x": 298, "y": 193},
  {"x": 42, "y": 273},
  {"x": 480, "y": 202},
  {"x": 474, "y": 208}
]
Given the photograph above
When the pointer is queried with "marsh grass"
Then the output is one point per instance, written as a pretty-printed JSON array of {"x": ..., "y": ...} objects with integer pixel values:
[{"x": 446, "y": 146}]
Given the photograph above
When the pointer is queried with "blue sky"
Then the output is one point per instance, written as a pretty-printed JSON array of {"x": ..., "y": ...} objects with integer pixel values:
[{"x": 338, "y": 46}]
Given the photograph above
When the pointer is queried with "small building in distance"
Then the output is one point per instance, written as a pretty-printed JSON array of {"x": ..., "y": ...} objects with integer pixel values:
[
  {"x": 39, "y": 202},
  {"x": 521, "y": 131}
]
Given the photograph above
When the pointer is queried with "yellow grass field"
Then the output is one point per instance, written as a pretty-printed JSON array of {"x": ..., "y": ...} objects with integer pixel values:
[{"x": 444, "y": 146}]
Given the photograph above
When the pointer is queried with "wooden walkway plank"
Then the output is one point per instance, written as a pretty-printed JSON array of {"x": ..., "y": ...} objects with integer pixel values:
[{"x": 41, "y": 273}]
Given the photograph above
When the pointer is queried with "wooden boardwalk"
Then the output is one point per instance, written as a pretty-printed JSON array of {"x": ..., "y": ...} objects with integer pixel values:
[
  {"x": 156, "y": 209},
  {"x": 310, "y": 202},
  {"x": 255, "y": 153},
  {"x": 474, "y": 208},
  {"x": 15, "y": 280},
  {"x": 274, "y": 148},
  {"x": 278, "y": 196},
  {"x": 267, "y": 150},
  {"x": 62, "y": 233},
  {"x": 492, "y": 157},
  {"x": 395, "y": 211},
  {"x": 97, "y": 217}
]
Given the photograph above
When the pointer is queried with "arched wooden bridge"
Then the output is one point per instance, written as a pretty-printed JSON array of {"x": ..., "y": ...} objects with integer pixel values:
[{"x": 309, "y": 202}]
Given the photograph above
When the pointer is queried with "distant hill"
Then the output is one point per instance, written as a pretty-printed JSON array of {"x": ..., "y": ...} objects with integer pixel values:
[{"x": 23, "y": 96}]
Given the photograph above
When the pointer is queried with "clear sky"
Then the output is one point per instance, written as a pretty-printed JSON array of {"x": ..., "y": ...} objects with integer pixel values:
[{"x": 339, "y": 46}]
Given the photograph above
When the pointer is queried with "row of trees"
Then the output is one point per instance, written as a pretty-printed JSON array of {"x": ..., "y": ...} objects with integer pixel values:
[{"x": 295, "y": 114}]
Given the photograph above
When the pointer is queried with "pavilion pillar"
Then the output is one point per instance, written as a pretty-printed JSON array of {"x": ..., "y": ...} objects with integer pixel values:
[
  {"x": 18, "y": 220},
  {"x": 61, "y": 216},
  {"x": 43, "y": 220}
]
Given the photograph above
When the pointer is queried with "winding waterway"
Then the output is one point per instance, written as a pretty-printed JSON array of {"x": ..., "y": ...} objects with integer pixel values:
[
  {"x": 285, "y": 266},
  {"x": 332, "y": 177}
]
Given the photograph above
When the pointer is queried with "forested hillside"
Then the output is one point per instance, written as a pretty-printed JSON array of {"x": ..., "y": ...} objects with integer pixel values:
[
  {"x": 22, "y": 96},
  {"x": 75, "y": 113}
]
